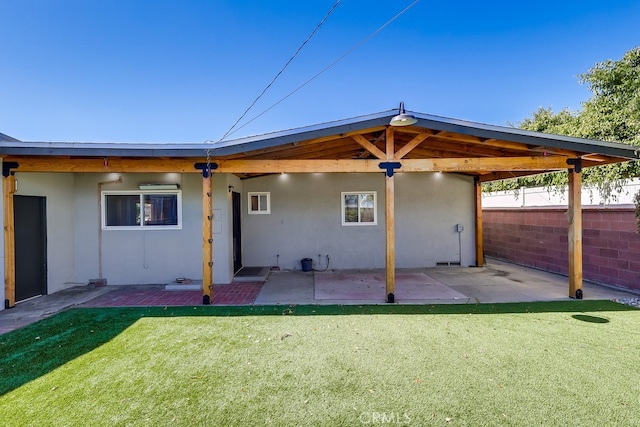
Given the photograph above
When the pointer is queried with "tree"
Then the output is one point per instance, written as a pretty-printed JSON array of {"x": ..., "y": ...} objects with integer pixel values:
[{"x": 611, "y": 114}]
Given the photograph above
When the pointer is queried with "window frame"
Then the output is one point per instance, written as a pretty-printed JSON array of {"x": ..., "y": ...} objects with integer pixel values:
[
  {"x": 250, "y": 205},
  {"x": 141, "y": 194},
  {"x": 358, "y": 193}
]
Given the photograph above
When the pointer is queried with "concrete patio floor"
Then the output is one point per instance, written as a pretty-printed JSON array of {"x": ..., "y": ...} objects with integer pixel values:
[{"x": 494, "y": 283}]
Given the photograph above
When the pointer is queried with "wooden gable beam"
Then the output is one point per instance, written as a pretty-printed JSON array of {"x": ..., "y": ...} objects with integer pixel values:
[
  {"x": 409, "y": 146},
  {"x": 491, "y": 142},
  {"x": 304, "y": 151},
  {"x": 305, "y": 143},
  {"x": 464, "y": 149},
  {"x": 369, "y": 146},
  {"x": 552, "y": 150},
  {"x": 596, "y": 158},
  {"x": 347, "y": 134}
]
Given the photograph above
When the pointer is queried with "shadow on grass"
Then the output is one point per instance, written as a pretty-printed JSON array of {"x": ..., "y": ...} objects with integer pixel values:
[
  {"x": 590, "y": 319},
  {"x": 35, "y": 350}
]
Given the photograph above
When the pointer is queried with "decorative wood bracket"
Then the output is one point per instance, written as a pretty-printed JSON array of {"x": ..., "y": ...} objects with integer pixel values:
[
  {"x": 577, "y": 164},
  {"x": 206, "y": 168},
  {"x": 390, "y": 166},
  {"x": 7, "y": 166}
]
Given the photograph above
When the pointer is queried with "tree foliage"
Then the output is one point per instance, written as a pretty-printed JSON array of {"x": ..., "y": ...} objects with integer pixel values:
[{"x": 611, "y": 114}]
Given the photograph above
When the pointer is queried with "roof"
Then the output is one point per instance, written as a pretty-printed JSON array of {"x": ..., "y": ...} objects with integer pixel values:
[
  {"x": 7, "y": 138},
  {"x": 275, "y": 139},
  {"x": 432, "y": 137}
]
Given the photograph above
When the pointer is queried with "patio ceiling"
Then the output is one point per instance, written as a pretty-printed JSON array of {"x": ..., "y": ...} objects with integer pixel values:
[
  {"x": 433, "y": 138},
  {"x": 419, "y": 143}
]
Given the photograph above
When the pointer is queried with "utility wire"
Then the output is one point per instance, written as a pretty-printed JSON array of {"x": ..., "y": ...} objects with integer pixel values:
[
  {"x": 383, "y": 26},
  {"x": 282, "y": 69}
]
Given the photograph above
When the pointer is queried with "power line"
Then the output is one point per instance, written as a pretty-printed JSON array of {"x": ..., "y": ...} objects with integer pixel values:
[
  {"x": 363, "y": 41},
  {"x": 282, "y": 69}
]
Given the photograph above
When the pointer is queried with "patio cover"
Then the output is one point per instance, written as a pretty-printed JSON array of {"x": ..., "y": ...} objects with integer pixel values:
[{"x": 366, "y": 144}]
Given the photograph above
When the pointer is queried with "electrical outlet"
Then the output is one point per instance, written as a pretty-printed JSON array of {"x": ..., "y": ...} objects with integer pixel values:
[{"x": 459, "y": 228}]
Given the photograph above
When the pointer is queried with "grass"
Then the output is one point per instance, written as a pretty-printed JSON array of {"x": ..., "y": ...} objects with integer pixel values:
[{"x": 559, "y": 363}]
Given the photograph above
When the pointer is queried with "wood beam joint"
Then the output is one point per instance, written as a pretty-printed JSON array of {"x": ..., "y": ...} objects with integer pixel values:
[
  {"x": 7, "y": 166},
  {"x": 389, "y": 167},
  {"x": 206, "y": 168},
  {"x": 576, "y": 163}
]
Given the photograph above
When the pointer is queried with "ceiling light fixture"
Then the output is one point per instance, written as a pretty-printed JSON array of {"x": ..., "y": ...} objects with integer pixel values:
[{"x": 403, "y": 119}]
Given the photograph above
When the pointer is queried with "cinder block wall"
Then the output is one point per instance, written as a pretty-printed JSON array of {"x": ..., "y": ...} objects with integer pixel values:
[{"x": 537, "y": 237}]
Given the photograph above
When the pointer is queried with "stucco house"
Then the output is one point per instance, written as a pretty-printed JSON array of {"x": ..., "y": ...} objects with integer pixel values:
[{"x": 377, "y": 191}]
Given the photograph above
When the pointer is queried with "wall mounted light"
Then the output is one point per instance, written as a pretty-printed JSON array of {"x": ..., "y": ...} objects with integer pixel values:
[{"x": 403, "y": 119}]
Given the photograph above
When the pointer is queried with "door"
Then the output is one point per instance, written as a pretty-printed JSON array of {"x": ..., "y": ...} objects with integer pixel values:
[
  {"x": 30, "y": 246},
  {"x": 237, "y": 234}
]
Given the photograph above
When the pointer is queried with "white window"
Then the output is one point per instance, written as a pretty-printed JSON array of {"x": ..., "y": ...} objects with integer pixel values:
[
  {"x": 259, "y": 203},
  {"x": 131, "y": 210},
  {"x": 359, "y": 208}
]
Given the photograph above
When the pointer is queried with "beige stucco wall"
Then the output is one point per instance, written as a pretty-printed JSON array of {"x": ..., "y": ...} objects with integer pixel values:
[
  {"x": 305, "y": 221},
  {"x": 151, "y": 256},
  {"x": 128, "y": 256}
]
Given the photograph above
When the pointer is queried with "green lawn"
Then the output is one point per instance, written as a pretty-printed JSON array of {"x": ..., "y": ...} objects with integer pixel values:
[{"x": 562, "y": 363}]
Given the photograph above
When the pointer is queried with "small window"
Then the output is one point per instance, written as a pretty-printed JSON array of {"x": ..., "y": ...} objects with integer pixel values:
[
  {"x": 359, "y": 208},
  {"x": 141, "y": 210},
  {"x": 259, "y": 203}
]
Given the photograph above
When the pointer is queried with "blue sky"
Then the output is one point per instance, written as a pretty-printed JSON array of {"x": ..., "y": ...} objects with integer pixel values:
[{"x": 174, "y": 71}]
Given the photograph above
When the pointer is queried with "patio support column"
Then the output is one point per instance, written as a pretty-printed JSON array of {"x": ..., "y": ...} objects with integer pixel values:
[
  {"x": 390, "y": 226},
  {"x": 479, "y": 236},
  {"x": 574, "y": 215},
  {"x": 390, "y": 265},
  {"x": 8, "y": 188},
  {"x": 207, "y": 236}
]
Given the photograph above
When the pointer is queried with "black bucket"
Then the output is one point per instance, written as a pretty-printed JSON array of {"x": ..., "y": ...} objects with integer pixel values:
[{"x": 307, "y": 264}]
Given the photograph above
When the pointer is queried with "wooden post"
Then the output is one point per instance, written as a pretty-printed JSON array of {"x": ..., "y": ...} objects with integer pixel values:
[
  {"x": 391, "y": 251},
  {"x": 390, "y": 266},
  {"x": 574, "y": 215},
  {"x": 8, "y": 188},
  {"x": 207, "y": 237},
  {"x": 479, "y": 236}
]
